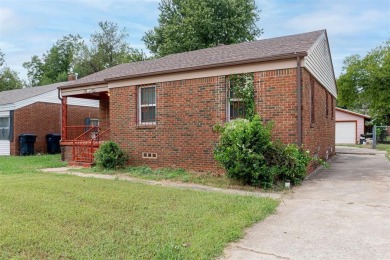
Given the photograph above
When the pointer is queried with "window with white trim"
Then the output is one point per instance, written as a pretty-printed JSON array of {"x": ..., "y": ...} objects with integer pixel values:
[
  {"x": 236, "y": 104},
  {"x": 4, "y": 128},
  {"x": 147, "y": 105},
  {"x": 94, "y": 122}
]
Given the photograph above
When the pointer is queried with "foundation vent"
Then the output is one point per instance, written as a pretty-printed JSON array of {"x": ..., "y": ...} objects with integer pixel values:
[{"x": 146, "y": 155}]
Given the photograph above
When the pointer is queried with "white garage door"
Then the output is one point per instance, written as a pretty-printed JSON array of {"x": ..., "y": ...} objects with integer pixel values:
[{"x": 345, "y": 132}]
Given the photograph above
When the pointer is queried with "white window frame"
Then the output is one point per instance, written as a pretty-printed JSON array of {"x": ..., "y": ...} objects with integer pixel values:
[
  {"x": 230, "y": 100},
  {"x": 94, "y": 122},
  {"x": 9, "y": 125},
  {"x": 140, "y": 106}
]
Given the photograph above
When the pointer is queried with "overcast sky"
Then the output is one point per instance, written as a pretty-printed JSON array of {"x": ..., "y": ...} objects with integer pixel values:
[{"x": 31, "y": 27}]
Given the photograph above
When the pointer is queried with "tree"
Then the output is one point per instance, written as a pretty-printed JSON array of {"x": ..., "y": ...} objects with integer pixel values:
[
  {"x": 9, "y": 79},
  {"x": 365, "y": 82},
  {"x": 1, "y": 58},
  {"x": 186, "y": 25},
  {"x": 55, "y": 65},
  {"x": 349, "y": 97},
  {"x": 70, "y": 54},
  {"x": 108, "y": 48}
]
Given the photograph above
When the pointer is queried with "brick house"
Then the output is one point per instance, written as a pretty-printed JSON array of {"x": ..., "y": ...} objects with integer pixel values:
[
  {"x": 162, "y": 111},
  {"x": 37, "y": 111}
]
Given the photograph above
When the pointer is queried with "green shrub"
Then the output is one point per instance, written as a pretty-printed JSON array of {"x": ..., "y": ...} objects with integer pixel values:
[
  {"x": 295, "y": 162},
  {"x": 247, "y": 153},
  {"x": 109, "y": 156},
  {"x": 241, "y": 149}
]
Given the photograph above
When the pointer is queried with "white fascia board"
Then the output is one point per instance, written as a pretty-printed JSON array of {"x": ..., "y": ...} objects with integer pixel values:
[
  {"x": 84, "y": 90},
  {"x": 7, "y": 107}
]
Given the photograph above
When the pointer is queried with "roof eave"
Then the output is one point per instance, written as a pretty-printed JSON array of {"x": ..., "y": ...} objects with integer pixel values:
[
  {"x": 209, "y": 66},
  {"x": 82, "y": 84},
  {"x": 352, "y": 113}
]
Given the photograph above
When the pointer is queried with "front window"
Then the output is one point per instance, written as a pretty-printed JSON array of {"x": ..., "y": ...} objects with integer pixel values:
[
  {"x": 147, "y": 105},
  {"x": 236, "y": 105},
  {"x": 4, "y": 128},
  {"x": 240, "y": 96}
]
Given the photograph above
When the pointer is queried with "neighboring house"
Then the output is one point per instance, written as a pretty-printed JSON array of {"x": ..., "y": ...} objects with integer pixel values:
[
  {"x": 37, "y": 111},
  {"x": 349, "y": 126},
  {"x": 162, "y": 111}
]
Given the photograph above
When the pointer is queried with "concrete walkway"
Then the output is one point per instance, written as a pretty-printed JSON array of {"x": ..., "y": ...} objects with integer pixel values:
[
  {"x": 180, "y": 185},
  {"x": 342, "y": 212},
  {"x": 357, "y": 150}
]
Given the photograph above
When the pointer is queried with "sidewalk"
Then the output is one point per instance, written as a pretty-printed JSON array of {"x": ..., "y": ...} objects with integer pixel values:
[
  {"x": 357, "y": 150},
  {"x": 181, "y": 185}
]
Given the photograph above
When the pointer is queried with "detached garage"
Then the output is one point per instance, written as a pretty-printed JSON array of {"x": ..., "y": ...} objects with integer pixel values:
[{"x": 349, "y": 126}]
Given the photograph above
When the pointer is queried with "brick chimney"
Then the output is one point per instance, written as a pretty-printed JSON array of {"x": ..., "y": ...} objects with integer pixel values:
[{"x": 71, "y": 77}]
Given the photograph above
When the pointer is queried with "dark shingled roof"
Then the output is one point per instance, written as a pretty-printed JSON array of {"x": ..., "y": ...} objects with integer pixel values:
[
  {"x": 268, "y": 49},
  {"x": 15, "y": 95}
]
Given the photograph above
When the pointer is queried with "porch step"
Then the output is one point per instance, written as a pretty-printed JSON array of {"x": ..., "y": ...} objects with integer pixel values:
[{"x": 82, "y": 164}]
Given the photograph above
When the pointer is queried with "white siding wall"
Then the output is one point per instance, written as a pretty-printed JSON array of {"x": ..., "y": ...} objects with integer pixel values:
[
  {"x": 319, "y": 64},
  {"x": 5, "y": 147},
  {"x": 4, "y": 113}
]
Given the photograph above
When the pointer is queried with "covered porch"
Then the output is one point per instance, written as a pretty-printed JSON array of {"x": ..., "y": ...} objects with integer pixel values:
[{"x": 80, "y": 142}]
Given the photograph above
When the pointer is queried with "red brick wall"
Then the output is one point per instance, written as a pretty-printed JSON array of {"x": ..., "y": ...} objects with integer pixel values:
[
  {"x": 188, "y": 109},
  {"x": 104, "y": 113},
  {"x": 42, "y": 118},
  {"x": 77, "y": 114},
  {"x": 319, "y": 136},
  {"x": 276, "y": 99}
]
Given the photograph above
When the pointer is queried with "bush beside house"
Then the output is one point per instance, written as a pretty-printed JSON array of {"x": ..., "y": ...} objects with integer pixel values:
[{"x": 247, "y": 152}]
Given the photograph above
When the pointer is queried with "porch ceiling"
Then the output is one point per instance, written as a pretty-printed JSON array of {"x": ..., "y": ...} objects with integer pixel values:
[
  {"x": 95, "y": 96},
  {"x": 89, "y": 92}
]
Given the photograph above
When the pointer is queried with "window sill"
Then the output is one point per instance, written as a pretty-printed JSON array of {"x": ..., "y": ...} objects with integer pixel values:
[{"x": 146, "y": 126}]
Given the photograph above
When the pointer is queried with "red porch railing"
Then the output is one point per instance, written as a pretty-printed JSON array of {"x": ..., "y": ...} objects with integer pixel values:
[
  {"x": 86, "y": 144},
  {"x": 73, "y": 132}
]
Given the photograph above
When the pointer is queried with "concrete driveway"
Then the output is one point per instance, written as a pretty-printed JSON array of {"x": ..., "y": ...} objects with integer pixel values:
[{"x": 342, "y": 212}]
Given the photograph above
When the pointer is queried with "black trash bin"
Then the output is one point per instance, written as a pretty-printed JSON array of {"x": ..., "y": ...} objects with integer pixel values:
[
  {"x": 26, "y": 144},
  {"x": 53, "y": 143},
  {"x": 362, "y": 139}
]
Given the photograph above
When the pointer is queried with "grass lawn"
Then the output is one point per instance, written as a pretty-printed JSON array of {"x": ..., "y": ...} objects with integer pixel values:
[
  {"x": 62, "y": 216},
  {"x": 28, "y": 164},
  {"x": 384, "y": 147}
]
